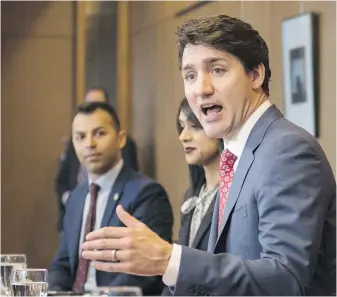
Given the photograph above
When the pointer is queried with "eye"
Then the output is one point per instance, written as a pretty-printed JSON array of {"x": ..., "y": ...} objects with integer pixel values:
[
  {"x": 218, "y": 71},
  {"x": 79, "y": 137},
  {"x": 100, "y": 133},
  {"x": 196, "y": 128},
  {"x": 189, "y": 76}
]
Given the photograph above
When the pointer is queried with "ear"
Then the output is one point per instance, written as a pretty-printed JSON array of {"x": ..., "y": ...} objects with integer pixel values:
[
  {"x": 258, "y": 75},
  {"x": 121, "y": 138}
]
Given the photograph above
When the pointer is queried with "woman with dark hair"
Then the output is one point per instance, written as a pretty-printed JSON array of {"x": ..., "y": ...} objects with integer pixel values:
[{"x": 202, "y": 155}]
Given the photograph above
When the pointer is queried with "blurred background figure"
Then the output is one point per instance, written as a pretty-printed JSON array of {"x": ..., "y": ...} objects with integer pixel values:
[{"x": 71, "y": 173}]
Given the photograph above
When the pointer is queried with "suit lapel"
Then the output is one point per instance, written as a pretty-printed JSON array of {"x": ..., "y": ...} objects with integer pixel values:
[
  {"x": 76, "y": 226},
  {"x": 255, "y": 138},
  {"x": 185, "y": 228},
  {"x": 114, "y": 196},
  {"x": 213, "y": 234},
  {"x": 204, "y": 225}
]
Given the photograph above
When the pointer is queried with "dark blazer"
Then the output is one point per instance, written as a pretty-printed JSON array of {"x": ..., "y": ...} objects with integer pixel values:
[
  {"x": 144, "y": 199},
  {"x": 200, "y": 241},
  {"x": 66, "y": 179},
  {"x": 278, "y": 230}
]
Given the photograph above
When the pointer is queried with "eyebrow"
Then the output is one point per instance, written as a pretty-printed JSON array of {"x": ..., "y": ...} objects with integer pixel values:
[
  {"x": 94, "y": 130},
  {"x": 98, "y": 128},
  {"x": 205, "y": 61},
  {"x": 214, "y": 60}
]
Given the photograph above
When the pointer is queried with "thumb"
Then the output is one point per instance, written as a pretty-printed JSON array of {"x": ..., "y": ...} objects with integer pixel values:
[{"x": 127, "y": 219}]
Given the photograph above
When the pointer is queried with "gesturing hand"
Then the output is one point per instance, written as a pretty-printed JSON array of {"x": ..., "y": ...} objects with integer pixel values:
[{"x": 137, "y": 249}]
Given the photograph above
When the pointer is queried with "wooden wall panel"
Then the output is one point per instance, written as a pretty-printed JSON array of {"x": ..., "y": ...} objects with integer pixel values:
[
  {"x": 37, "y": 89},
  {"x": 36, "y": 18},
  {"x": 171, "y": 167},
  {"x": 142, "y": 105},
  {"x": 150, "y": 13}
]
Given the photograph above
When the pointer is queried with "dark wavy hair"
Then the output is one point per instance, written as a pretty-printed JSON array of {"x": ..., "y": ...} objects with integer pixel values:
[{"x": 196, "y": 172}]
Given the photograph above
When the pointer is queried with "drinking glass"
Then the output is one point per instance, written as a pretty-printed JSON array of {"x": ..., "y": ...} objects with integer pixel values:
[
  {"x": 29, "y": 282},
  {"x": 115, "y": 291},
  {"x": 8, "y": 262}
]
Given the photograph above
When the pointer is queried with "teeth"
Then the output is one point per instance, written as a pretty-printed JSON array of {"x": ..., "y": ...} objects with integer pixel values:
[{"x": 208, "y": 105}]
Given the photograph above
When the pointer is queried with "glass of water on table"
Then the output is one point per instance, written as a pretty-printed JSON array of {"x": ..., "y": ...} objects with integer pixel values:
[
  {"x": 8, "y": 263},
  {"x": 29, "y": 282}
]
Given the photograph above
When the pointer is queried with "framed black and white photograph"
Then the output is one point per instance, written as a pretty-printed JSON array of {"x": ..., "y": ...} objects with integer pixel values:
[{"x": 300, "y": 70}]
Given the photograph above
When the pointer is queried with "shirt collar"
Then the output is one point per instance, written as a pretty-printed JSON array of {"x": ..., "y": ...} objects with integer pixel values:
[
  {"x": 237, "y": 143},
  {"x": 107, "y": 180}
]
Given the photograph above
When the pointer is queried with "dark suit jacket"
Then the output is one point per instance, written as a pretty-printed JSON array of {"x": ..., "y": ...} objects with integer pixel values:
[
  {"x": 66, "y": 179},
  {"x": 144, "y": 199},
  {"x": 200, "y": 241},
  {"x": 278, "y": 230}
]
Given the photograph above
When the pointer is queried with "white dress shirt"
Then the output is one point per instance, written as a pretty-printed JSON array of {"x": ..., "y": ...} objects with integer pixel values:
[
  {"x": 105, "y": 183},
  {"x": 236, "y": 145}
]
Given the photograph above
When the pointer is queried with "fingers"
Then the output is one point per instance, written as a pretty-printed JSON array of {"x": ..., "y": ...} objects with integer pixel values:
[
  {"x": 127, "y": 219},
  {"x": 108, "y": 255},
  {"x": 117, "y": 232},
  {"x": 106, "y": 244},
  {"x": 112, "y": 267},
  {"x": 108, "y": 232},
  {"x": 105, "y": 255},
  {"x": 123, "y": 267}
]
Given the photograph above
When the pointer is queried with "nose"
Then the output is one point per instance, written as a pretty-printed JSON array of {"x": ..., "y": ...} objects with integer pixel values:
[
  {"x": 204, "y": 85},
  {"x": 90, "y": 142},
  {"x": 185, "y": 136}
]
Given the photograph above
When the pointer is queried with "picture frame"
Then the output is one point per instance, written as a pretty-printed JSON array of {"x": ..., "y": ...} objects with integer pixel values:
[{"x": 300, "y": 70}]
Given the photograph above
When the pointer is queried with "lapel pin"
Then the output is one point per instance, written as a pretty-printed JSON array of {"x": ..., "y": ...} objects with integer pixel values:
[{"x": 116, "y": 197}]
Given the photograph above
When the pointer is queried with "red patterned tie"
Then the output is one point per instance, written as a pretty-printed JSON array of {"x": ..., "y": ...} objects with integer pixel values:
[
  {"x": 227, "y": 161},
  {"x": 82, "y": 268}
]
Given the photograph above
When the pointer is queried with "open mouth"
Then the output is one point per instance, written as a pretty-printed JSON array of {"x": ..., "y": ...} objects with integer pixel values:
[{"x": 211, "y": 109}]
